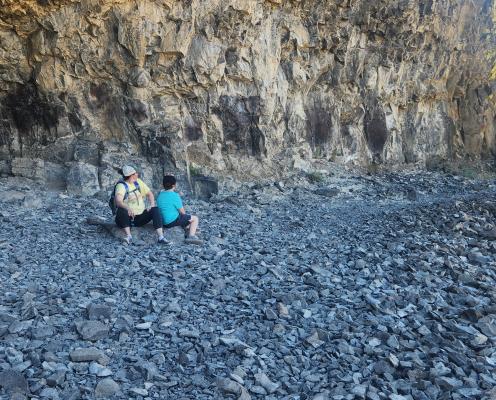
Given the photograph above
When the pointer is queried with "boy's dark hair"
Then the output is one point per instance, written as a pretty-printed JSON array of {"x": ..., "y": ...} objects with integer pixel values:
[{"x": 168, "y": 181}]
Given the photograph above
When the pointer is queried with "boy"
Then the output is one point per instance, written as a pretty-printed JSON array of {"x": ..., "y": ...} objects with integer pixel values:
[{"x": 173, "y": 213}]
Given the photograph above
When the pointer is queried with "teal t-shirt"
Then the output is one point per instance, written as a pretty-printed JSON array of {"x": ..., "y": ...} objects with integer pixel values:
[{"x": 169, "y": 203}]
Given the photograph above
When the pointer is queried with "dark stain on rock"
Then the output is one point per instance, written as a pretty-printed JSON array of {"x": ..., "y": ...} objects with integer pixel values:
[
  {"x": 193, "y": 132},
  {"x": 425, "y": 8},
  {"x": 118, "y": 123},
  {"x": 486, "y": 7},
  {"x": 75, "y": 122},
  {"x": 156, "y": 141},
  {"x": 240, "y": 117},
  {"x": 348, "y": 141},
  {"x": 137, "y": 110},
  {"x": 5, "y": 129},
  {"x": 197, "y": 108},
  {"x": 164, "y": 141},
  {"x": 35, "y": 117},
  {"x": 408, "y": 137},
  {"x": 99, "y": 94},
  {"x": 74, "y": 116},
  {"x": 285, "y": 35},
  {"x": 450, "y": 128},
  {"x": 319, "y": 125},
  {"x": 375, "y": 130},
  {"x": 231, "y": 56}
]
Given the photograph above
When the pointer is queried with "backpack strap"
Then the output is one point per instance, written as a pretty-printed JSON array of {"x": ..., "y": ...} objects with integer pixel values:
[
  {"x": 125, "y": 187},
  {"x": 137, "y": 188}
]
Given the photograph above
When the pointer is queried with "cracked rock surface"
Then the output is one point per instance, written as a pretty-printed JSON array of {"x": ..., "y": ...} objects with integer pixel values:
[
  {"x": 240, "y": 87},
  {"x": 370, "y": 293}
]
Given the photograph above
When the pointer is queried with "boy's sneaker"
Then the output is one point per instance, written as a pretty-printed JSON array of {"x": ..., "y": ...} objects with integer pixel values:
[
  {"x": 163, "y": 240},
  {"x": 186, "y": 231},
  {"x": 193, "y": 239}
]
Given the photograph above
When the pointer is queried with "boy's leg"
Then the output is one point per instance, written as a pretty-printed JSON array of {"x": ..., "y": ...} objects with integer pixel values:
[
  {"x": 184, "y": 221},
  {"x": 193, "y": 226}
]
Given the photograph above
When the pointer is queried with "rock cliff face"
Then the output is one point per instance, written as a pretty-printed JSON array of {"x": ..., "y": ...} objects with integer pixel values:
[{"x": 240, "y": 86}]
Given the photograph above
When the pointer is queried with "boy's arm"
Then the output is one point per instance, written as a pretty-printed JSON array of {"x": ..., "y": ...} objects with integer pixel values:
[{"x": 180, "y": 206}]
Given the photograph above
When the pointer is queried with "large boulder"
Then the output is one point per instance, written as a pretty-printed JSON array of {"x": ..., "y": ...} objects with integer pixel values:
[
  {"x": 51, "y": 174},
  {"x": 83, "y": 179},
  {"x": 205, "y": 187}
]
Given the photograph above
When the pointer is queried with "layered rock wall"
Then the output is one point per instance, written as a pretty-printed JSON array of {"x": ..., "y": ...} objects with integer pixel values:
[{"x": 241, "y": 86}]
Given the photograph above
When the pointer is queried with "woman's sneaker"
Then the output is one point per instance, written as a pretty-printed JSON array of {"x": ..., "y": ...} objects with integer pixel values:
[{"x": 163, "y": 240}]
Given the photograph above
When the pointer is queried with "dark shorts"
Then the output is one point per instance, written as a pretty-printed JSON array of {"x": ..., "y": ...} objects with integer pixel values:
[
  {"x": 183, "y": 220},
  {"x": 123, "y": 220}
]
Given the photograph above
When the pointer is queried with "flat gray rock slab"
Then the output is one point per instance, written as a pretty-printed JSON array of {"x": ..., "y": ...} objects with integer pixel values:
[
  {"x": 98, "y": 311},
  {"x": 13, "y": 381},
  {"x": 92, "y": 330},
  {"x": 86, "y": 355},
  {"x": 106, "y": 389},
  {"x": 143, "y": 234}
]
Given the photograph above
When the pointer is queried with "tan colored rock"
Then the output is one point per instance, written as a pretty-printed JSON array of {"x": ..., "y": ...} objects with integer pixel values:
[
  {"x": 246, "y": 87},
  {"x": 204, "y": 58}
]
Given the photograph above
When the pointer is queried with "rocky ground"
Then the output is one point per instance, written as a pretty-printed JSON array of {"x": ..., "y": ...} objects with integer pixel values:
[{"x": 339, "y": 287}]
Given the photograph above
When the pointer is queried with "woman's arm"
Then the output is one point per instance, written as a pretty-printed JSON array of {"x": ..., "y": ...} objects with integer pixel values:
[
  {"x": 151, "y": 198},
  {"x": 119, "y": 202}
]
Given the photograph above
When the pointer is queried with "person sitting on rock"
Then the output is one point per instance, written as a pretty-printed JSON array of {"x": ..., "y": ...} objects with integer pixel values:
[
  {"x": 131, "y": 209},
  {"x": 172, "y": 211}
]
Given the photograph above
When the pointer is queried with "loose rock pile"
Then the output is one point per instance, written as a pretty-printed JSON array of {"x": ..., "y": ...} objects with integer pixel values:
[{"x": 351, "y": 288}]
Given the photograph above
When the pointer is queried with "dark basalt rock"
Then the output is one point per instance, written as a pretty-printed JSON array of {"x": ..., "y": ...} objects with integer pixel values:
[
  {"x": 205, "y": 187},
  {"x": 13, "y": 381}
]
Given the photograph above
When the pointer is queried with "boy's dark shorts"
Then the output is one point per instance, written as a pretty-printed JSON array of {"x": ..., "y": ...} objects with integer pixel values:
[{"x": 183, "y": 220}]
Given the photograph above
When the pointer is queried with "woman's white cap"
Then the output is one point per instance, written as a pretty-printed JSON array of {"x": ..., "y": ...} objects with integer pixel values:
[{"x": 128, "y": 170}]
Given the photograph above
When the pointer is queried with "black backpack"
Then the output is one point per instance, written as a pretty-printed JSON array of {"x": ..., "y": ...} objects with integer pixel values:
[{"x": 111, "y": 202}]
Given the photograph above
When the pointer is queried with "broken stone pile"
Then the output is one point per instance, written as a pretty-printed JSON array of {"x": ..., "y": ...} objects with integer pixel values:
[{"x": 341, "y": 287}]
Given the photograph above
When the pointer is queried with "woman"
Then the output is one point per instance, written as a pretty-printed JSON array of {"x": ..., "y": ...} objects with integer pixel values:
[{"x": 131, "y": 208}]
